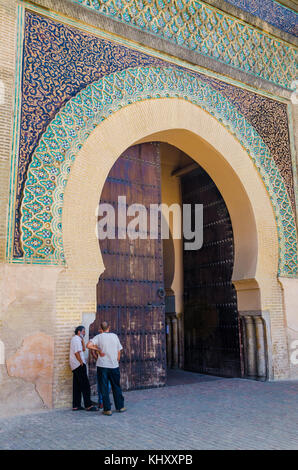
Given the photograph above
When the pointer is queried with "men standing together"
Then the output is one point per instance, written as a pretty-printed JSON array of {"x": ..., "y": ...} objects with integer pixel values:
[
  {"x": 108, "y": 367},
  {"x": 77, "y": 362},
  {"x": 108, "y": 347}
]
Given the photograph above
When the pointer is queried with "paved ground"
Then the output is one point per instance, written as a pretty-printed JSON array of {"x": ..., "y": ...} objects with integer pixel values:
[{"x": 203, "y": 413}]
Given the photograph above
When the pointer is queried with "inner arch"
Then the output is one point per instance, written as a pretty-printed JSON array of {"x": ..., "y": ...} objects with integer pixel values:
[{"x": 200, "y": 136}]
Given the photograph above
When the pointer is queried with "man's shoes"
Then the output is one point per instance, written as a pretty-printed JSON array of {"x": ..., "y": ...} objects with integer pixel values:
[
  {"x": 122, "y": 410},
  {"x": 107, "y": 413},
  {"x": 92, "y": 408},
  {"x": 79, "y": 408}
]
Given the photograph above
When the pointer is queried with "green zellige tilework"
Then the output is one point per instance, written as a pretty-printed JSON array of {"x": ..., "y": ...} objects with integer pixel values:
[{"x": 208, "y": 31}]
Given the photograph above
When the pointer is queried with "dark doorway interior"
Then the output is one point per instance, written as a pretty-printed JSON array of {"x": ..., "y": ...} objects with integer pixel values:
[
  {"x": 211, "y": 320},
  {"x": 182, "y": 377}
]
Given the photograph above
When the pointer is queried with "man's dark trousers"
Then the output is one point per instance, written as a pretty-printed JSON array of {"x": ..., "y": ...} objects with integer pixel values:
[
  {"x": 81, "y": 385},
  {"x": 105, "y": 374}
]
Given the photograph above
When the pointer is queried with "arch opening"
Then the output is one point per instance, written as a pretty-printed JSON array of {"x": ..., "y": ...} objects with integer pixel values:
[{"x": 196, "y": 325}]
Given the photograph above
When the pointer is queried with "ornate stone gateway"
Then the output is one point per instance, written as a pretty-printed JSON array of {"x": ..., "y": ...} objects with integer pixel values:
[
  {"x": 211, "y": 321},
  {"x": 80, "y": 82},
  {"x": 130, "y": 292}
]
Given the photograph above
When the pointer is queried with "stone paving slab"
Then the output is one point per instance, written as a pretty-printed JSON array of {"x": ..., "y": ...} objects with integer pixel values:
[{"x": 209, "y": 414}]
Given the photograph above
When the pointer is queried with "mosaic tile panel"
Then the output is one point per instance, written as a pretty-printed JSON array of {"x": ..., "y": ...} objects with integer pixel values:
[
  {"x": 62, "y": 60},
  {"x": 271, "y": 11},
  {"x": 51, "y": 163},
  {"x": 58, "y": 62},
  {"x": 206, "y": 30},
  {"x": 270, "y": 119}
]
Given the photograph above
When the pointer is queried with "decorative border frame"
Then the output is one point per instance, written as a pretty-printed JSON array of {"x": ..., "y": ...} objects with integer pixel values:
[
  {"x": 16, "y": 130},
  {"x": 293, "y": 156},
  {"x": 272, "y": 12},
  {"x": 207, "y": 30}
]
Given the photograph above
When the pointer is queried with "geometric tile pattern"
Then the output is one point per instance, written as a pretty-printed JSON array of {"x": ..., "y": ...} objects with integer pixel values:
[
  {"x": 206, "y": 30},
  {"x": 270, "y": 119},
  {"x": 41, "y": 226},
  {"x": 59, "y": 61},
  {"x": 271, "y": 11}
]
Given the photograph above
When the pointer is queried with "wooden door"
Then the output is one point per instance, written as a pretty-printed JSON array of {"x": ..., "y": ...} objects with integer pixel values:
[
  {"x": 211, "y": 321},
  {"x": 130, "y": 292}
]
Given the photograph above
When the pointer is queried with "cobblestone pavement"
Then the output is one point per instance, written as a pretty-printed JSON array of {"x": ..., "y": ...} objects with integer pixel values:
[{"x": 204, "y": 413}]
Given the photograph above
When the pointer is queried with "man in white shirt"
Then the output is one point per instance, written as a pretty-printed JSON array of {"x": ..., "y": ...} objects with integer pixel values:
[
  {"x": 77, "y": 363},
  {"x": 108, "y": 367}
]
